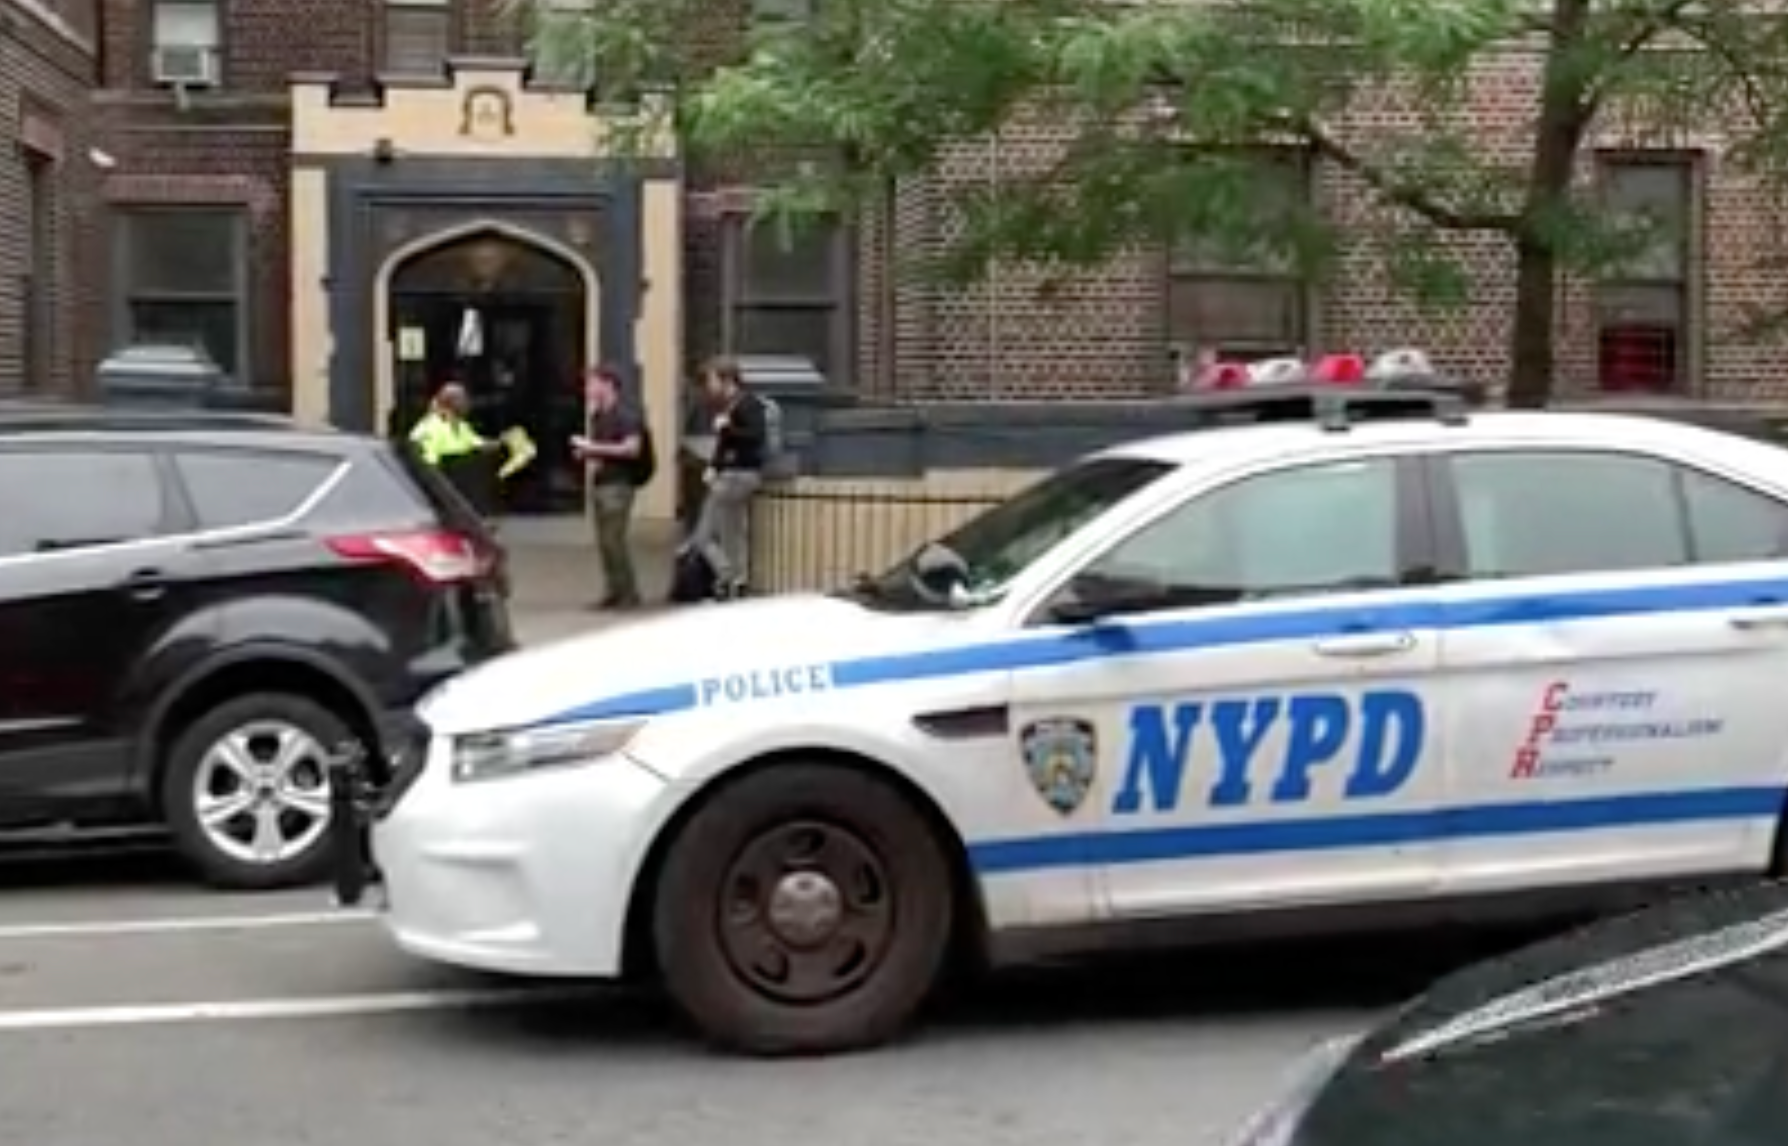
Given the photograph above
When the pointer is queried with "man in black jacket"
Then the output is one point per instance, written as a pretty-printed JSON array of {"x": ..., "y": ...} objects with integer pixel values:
[
  {"x": 741, "y": 432},
  {"x": 612, "y": 450}
]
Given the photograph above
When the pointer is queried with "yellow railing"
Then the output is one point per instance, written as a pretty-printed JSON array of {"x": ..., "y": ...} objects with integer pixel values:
[{"x": 816, "y": 533}]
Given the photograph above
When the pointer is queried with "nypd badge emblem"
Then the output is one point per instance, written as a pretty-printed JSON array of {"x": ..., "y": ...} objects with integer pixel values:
[{"x": 1062, "y": 757}]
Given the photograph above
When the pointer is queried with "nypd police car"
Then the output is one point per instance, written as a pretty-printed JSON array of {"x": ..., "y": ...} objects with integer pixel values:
[{"x": 1361, "y": 655}]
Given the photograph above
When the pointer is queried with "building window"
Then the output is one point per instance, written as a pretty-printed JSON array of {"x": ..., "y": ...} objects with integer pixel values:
[
  {"x": 790, "y": 298},
  {"x": 41, "y": 284},
  {"x": 1227, "y": 307},
  {"x": 418, "y": 35},
  {"x": 559, "y": 47},
  {"x": 1642, "y": 305},
  {"x": 183, "y": 278},
  {"x": 188, "y": 38}
]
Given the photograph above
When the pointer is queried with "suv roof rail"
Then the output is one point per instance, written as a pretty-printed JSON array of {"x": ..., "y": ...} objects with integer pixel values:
[
  {"x": 1334, "y": 408},
  {"x": 38, "y": 414}
]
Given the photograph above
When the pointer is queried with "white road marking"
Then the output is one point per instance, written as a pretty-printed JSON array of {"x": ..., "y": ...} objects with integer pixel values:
[
  {"x": 104, "y": 927},
  {"x": 334, "y": 1006}
]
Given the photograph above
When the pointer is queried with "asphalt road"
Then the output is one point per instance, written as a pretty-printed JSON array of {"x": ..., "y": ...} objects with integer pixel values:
[{"x": 136, "y": 1008}]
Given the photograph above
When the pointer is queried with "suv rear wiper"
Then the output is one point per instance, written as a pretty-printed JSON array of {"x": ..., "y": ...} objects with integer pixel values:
[
  {"x": 863, "y": 587},
  {"x": 877, "y": 593}
]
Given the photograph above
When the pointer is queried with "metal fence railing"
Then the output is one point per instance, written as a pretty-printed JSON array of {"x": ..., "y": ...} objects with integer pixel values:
[{"x": 807, "y": 538}]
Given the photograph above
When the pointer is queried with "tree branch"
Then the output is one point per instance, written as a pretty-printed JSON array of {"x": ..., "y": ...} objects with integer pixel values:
[
  {"x": 1653, "y": 25},
  {"x": 1745, "y": 77},
  {"x": 1400, "y": 193}
]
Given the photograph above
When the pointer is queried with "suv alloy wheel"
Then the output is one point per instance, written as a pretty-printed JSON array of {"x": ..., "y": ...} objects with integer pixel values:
[{"x": 246, "y": 791}]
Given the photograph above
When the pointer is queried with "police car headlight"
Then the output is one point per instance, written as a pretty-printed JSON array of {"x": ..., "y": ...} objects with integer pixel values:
[
  {"x": 1277, "y": 1123},
  {"x": 492, "y": 755}
]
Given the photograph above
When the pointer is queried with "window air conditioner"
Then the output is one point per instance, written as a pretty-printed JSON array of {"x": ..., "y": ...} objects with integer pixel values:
[{"x": 186, "y": 65}]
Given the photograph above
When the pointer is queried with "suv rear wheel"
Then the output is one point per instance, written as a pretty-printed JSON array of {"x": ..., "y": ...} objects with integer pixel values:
[{"x": 246, "y": 791}]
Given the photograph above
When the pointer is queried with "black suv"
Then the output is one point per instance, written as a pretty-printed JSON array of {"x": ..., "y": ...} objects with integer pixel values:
[{"x": 195, "y": 609}]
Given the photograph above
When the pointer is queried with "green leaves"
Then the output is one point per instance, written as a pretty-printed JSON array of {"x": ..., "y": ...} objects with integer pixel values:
[
  {"x": 1138, "y": 94},
  {"x": 618, "y": 49},
  {"x": 1420, "y": 265},
  {"x": 1061, "y": 132}
]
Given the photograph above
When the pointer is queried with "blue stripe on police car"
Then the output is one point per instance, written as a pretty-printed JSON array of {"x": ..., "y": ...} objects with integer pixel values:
[
  {"x": 1312, "y": 834},
  {"x": 1430, "y": 609}
]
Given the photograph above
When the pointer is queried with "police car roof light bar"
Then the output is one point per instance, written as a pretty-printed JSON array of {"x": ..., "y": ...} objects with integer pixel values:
[{"x": 1333, "y": 408}]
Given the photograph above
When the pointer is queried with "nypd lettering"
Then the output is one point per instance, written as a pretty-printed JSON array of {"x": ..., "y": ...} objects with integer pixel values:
[
  {"x": 764, "y": 684},
  {"x": 1270, "y": 749}
]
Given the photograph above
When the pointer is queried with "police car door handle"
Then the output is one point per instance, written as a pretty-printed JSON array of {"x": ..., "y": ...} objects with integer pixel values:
[
  {"x": 1760, "y": 617},
  {"x": 1365, "y": 645}
]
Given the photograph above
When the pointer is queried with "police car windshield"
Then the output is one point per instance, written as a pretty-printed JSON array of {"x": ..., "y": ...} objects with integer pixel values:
[{"x": 998, "y": 544}]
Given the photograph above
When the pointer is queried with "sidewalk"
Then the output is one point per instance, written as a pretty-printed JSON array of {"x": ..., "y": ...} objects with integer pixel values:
[{"x": 556, "y": 575}]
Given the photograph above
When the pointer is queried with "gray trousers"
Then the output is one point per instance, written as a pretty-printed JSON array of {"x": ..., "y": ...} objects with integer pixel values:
[
  {"x": 723, "y": 531},
  {"x": 613, "y": 506}
]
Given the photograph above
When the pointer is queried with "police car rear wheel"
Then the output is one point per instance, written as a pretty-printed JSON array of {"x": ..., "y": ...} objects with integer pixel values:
[{"x": 804, "y": 910}]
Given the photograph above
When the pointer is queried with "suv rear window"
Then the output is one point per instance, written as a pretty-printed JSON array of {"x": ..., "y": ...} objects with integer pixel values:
[
  {"x": 454, "y": 511},
  {"x": 233, "y": 488}
]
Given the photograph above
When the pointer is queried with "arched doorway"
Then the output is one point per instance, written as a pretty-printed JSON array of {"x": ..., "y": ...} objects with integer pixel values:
[{"x": 510, "y": 318}]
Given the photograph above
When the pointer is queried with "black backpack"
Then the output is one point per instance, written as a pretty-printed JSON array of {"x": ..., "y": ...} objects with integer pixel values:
[
  {"x": 645, "y": 466},
  {"x": 692, "y": 578}
]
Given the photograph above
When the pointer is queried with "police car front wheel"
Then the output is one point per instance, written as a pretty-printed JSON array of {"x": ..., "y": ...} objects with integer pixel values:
[{"x": 804, "y": 909}]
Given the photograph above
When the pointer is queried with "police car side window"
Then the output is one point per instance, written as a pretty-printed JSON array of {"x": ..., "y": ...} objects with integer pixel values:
[
  {"x": 1729, "y": 523},
  {"x": 1314, "y": 529},
  {"x": 1544, "y": 513}
]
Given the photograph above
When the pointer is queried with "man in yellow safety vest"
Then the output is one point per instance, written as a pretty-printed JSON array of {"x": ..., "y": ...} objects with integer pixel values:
[
  {"x": 445, "y": 433},
  {"x": 446, "y": 440}
]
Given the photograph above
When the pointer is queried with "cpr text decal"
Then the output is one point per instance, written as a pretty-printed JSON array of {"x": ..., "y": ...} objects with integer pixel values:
[{"x": 1578, "y": 733}]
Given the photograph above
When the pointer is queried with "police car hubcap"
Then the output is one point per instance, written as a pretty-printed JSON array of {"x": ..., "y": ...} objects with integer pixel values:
[
  {"x": 805, "y": 908},
  {"x": 808, "y": 912}
]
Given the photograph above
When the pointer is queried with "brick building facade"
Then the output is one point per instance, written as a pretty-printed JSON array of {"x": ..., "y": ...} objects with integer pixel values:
[
  {"x": 205, "y": 164},
  {"x": 48, "y": 67},
  {"x": 1700, "y": 313},
  {"x": 171, "y": 188}
]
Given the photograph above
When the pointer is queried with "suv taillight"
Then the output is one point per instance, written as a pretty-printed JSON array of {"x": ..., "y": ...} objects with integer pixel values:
[{"x": 435, "y": 555}]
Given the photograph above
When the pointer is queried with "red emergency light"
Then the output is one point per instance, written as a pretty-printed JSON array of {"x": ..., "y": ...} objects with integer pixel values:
[
  {"x": 1344, "y": 369},
  {"x": 1339, "y": 370},
  {"x": 1226, "y": 376}
]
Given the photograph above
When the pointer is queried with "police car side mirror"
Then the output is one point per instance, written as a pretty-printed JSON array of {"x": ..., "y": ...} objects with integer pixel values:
[
  {"x": 1087, "y": 601},
  {"x": 940, "y": 574},
  {"x": 1090, "y": 599},
  {"x": 1069, "y": 611}
]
